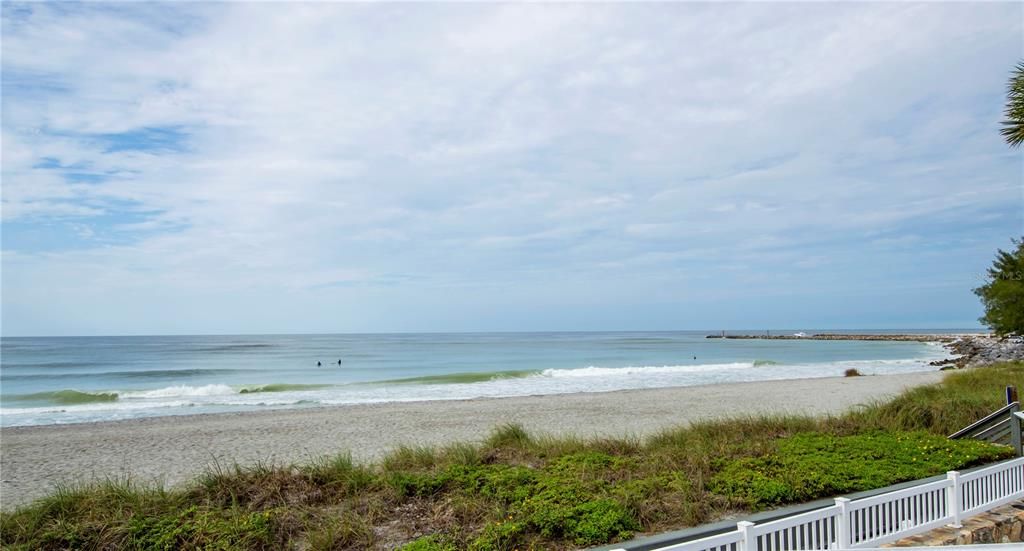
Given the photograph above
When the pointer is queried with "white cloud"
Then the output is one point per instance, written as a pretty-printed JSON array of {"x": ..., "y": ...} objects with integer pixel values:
[{"x": 336, "y": 145}]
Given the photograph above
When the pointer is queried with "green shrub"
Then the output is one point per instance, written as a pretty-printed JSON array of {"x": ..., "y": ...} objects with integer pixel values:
[
  {"x": 195, "y": 528},
  {"x": 813, "y": 465},
  {"x": 428, "y": 543},
  {"x": 418, "y": 484},
  {"x": 556, "y": 515},
  {"x": 573, "y": 499},
  {"x": 501, "y": 535},
  {"x": 506, "y": 484}
]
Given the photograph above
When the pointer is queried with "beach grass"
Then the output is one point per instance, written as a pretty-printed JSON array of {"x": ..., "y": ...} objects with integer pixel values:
[
  {"x": 960, "y": 399},
  {"x": 519, "y": 490}
]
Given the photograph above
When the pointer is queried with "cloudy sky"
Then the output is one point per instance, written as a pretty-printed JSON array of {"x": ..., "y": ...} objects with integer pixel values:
[{"x": 240, "y": 168}]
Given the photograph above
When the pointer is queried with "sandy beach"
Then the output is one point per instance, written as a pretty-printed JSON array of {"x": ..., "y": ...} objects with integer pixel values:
[{"x": 172, "y": 450}]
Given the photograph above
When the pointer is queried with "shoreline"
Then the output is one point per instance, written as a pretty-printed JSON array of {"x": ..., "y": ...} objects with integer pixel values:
[{"x": 175, "y": 449}]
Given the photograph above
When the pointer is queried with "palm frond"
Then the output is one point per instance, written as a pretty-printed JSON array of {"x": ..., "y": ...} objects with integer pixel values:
[{"x": 1013, "y": 126}]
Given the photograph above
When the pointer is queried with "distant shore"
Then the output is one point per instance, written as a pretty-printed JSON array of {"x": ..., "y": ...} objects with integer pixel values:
[
  {"x": 944, "y": 338},
  {"x": 175, "y": 449}
]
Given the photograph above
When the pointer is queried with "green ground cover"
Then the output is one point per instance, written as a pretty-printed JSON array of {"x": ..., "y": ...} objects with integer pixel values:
[{"x": 524, "y": 491}]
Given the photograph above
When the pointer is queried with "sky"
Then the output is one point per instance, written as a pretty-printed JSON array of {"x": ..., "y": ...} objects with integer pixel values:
[{"x": 235, "y": 168}]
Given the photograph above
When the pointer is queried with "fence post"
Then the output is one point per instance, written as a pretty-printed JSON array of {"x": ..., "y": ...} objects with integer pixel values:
[
  {"x": 842, "y": 524},
  {"x": 1015, "y": 429},
  {"x": 953, "y": 498},
  {"x": 746, "y": 542}
]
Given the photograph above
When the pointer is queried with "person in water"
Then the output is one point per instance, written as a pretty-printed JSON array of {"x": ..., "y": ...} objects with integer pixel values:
[
  {"x": 339, "y": 362},
  {"x": 318, "y": 363}
]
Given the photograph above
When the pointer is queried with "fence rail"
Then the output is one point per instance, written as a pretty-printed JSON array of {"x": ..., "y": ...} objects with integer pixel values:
[
  {"x": 876, "y": 520},
  {"x": 1002, "y": 426},
  {"x": 984, "y": 488},
  {"x": 728, "y": 541},
  {"x": 895, "y": 515},
  {"x": 812, "y": 530}
]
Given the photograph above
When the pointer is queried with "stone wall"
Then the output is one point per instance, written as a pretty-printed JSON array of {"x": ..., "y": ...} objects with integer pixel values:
[{"x": 1001, "y": 525}]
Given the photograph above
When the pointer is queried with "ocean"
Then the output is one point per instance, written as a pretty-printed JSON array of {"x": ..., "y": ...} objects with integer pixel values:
[{"x": 51, "y": 380}]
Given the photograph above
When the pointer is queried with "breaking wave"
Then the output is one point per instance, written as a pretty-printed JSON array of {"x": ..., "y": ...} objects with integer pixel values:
[
  {"x": 67, "y": 397},
  {"x": 279, "y": 387},
  {"x": 594, "y": 371},
  {"x": 462, "y": 378}
]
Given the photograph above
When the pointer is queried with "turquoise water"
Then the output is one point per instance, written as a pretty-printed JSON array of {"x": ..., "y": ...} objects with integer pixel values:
[{"x": 47, "y": 380}]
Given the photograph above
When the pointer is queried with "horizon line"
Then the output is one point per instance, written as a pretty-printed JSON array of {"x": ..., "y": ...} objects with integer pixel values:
[{"x": 750, "y": 331}]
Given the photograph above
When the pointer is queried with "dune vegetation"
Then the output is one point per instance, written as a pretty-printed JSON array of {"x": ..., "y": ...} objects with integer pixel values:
[{"x": 530, "y": 491}]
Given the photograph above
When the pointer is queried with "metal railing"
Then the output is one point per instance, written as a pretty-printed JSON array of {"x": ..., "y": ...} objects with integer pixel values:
[{"x": 876, "y": 520}]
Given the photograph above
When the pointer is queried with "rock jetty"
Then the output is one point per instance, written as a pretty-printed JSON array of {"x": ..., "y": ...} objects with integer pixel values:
[{"x": 977, "y": 350}]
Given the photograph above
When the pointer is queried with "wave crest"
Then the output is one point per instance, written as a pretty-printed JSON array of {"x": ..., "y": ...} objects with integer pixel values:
[
  {"x": 280, "y": 387},
  {"x": 594, "y": 371},
  {"x": 179, "y": 391},
  {"x": 67, "y": 397},
  {"x": 463, "y": 378}
]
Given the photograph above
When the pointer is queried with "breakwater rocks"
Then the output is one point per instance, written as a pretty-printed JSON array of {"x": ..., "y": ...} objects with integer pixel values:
[{"x": 976, "y": 350}]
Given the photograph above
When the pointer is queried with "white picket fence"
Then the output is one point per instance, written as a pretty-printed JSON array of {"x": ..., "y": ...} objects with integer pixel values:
[{"x": 876, "y": 520}]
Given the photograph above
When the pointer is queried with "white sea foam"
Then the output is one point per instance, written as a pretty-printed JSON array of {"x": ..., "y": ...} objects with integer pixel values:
[
  {"x": 596, "y": 371},
  {"x": 142, "y": 406},
  {"x": 97, "y": 407},
  {"x": 179, "y": 390}
]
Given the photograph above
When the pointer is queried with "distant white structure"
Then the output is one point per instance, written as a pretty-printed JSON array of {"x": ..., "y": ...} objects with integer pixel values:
[{"x": 800, "y": 334}]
